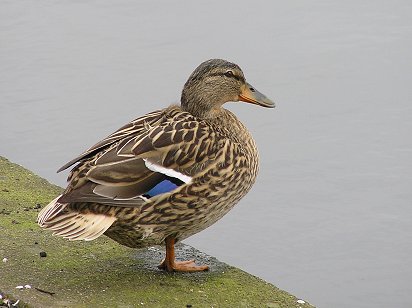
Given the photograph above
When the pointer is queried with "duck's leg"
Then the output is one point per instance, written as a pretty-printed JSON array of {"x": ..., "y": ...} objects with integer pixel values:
[{"x": 169, "y": 264}]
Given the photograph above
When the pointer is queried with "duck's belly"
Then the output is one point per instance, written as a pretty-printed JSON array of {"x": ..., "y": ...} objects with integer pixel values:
[{"x": 154, "y": 228}]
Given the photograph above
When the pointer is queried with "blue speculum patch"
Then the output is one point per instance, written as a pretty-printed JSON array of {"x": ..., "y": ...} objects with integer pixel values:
[{"x": 164, "y": 186}]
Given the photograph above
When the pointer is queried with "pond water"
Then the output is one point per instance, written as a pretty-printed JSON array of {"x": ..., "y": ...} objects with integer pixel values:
[{"x": 329, "y": 218}]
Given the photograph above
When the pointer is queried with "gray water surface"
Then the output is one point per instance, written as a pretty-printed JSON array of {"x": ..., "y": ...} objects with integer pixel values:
[{"x": 329, "y": 218}]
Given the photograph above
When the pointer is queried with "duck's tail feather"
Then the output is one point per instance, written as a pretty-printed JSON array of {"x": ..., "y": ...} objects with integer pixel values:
[
  {"x": 50, "y": 211},
  {"x": 73, "y": 225}
]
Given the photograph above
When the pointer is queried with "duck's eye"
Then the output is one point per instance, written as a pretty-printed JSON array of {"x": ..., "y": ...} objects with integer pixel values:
[{"x": 229, "y": 74}]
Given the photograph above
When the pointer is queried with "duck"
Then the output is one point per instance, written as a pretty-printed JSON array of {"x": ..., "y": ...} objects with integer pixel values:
[{"x": 166, "y": 175}]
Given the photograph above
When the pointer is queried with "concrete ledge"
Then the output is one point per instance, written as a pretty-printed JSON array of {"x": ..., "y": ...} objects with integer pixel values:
[{"x": 102, "y": 273}]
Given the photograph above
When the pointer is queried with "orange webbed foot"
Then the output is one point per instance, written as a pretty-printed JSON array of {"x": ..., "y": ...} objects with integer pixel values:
[
  {"x": 182, "y": 266},
  {"x": 169, "y": 264}
]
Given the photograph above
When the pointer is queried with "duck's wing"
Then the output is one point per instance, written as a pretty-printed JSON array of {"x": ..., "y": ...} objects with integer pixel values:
[
  {"x": 132, "y": 128},
  {"x": 127, "y": 169}
]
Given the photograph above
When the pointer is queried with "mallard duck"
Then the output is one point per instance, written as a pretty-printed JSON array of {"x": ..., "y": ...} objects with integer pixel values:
[{"x": 166, "y": 175}]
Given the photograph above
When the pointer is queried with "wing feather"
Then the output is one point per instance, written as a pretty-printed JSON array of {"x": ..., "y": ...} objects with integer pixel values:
[
  {"x": 131, "y": 128},
  {"x": 121, "y": 168}
]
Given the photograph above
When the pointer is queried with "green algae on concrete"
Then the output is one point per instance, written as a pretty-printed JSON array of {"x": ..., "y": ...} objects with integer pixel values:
[{"x": 102, "y": 273}]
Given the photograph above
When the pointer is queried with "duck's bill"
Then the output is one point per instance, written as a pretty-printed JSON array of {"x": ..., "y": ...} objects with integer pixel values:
[{"x": 250, "y": 95}]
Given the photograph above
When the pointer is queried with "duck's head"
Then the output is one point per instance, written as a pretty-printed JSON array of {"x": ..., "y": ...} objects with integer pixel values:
[{"x": 215, "y": 82}]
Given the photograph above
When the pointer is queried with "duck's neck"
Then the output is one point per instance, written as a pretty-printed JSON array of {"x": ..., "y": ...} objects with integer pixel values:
[
  {"x": 200, "y": 104},
  {"x": 204, "y": 113},
  {"x": 227, "y": 124}
]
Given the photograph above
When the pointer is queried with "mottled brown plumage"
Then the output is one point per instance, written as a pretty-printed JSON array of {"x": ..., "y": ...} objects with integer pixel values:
[{"x": 199, "y": 147}]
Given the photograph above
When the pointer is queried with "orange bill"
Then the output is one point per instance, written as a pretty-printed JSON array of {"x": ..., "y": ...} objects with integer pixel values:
[{"x": 250, "y": 95}]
